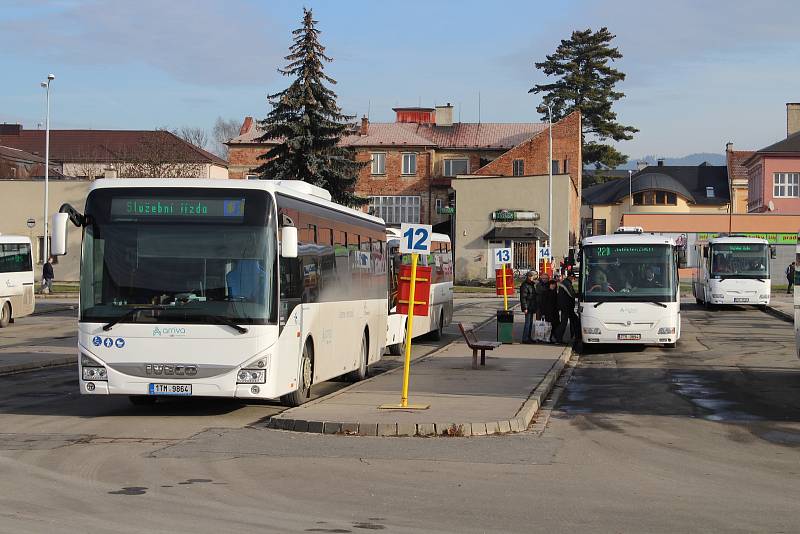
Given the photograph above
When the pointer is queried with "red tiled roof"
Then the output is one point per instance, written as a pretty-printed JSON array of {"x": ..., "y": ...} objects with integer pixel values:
[
  {"x": 736, "y": 168},
  {"x": 101, "y": 146},
  {"x": 492, "y": 135}
]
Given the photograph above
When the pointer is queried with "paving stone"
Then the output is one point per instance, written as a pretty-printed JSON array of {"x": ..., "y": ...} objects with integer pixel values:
[
  {"x": 406, "y": 429},
  {"x": 300, "y": 426},
  {"x": 349, "y": 428},
  {"x": 387, "y": 429},
  {"x": 492, "y": 428},
  {"x": 464, "y": 429},
  {"x": 426, "y": 429},
  {"x": 514, "y": 425},
  {"x": 368, "y": 429},
  {"x": 331, "y": 428},
  {"x": 478, "y": 429},
  {"x": 505, "y": 427},
  {"x": 315, "y": 426}
]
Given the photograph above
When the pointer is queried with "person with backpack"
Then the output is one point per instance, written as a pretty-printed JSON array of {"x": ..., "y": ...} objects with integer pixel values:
[
  {"x": 527, "y": 301},
  {"x": 790, "y": 277}
]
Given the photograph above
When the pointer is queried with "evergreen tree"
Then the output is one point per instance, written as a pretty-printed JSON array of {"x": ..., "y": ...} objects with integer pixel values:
[
  {"x": 586, "y": 83},
  {"x": 306, "y": 118}
]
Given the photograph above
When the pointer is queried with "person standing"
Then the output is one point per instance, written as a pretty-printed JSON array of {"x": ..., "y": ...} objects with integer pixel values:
[
  {"x": 550, "y": 308},
  {"x": 566, "y": 308},
  {"x": 790, "y": 277},
  {"x": 541, "y": 287},
  {"x": 48, "y": 275},
  {"x": 527, "y": 301}
]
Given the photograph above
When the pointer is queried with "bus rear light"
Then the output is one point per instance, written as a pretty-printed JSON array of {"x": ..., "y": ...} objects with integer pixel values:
[{"x": 251, "y": 376}]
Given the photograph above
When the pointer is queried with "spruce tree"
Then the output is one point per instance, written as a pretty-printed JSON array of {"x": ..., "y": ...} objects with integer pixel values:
[
  {"x": 309, "y": 124},
  {"x": 586, "y": 83}
]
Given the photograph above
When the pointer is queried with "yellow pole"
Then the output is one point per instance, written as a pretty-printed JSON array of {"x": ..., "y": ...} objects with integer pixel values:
[
  {"x": 409, "y": 329},
  {"x": 505, "y": 290}
]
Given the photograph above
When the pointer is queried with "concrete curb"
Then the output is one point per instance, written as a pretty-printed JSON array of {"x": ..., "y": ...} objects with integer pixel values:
[
  {"x": 775, "y": 312},
  {"x": 35, "y": 366},
  {"x": 518, "y": 423}
]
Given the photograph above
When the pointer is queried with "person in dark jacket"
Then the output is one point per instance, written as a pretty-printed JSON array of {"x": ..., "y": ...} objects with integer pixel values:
[
  {"x": 541, "y": 287},
  {"x": 48, "y": 275},
  {"x": 527, "y": 301},
  {"x": 549, "y": 308},
  {"x": 790, "y": 277},
  {"x": 566, "y": 308}
]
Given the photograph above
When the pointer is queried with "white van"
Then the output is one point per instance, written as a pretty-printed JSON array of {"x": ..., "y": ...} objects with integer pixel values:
[{"x": 16, "y": 278}]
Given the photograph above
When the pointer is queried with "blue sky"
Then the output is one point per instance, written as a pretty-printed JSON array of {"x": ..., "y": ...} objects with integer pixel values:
[{"x": 699, "y": 73}]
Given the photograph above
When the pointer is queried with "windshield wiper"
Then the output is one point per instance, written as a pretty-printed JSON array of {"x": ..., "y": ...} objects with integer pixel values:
[
  {"x": 225, "y": 321},
  {"x": 129, "y": 314},
  {"x": 596, "y": 304},
  {"x": 656, "y": 303}
]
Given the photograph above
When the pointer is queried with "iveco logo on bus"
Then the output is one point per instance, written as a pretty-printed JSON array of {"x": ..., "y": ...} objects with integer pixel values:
[{"x": 169, "y": 369}]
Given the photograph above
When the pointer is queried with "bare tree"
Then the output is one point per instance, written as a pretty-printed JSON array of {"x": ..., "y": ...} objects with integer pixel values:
[
  {"x": 158, "y": 156},
  {"x": 197, "y": 136},
  {"x": 224, "y": 130}
]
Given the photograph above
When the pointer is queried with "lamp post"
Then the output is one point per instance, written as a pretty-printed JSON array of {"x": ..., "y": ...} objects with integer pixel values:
[
  {"x": 630, "y": 186},
  {"x": 550, "y": 182},
  {"x": 46, "y": 86}
]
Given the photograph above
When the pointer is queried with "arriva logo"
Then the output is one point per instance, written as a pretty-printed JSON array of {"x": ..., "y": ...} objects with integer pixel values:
[{"x": 172, "y": 331}]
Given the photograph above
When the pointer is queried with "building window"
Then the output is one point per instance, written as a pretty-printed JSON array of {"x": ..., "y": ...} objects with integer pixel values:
[
  {"x": 786, "y": 184},
  {"x": 454, "y": 167},
  {"x": 566, "y": 166},
  {"x": 378, "y": 163},
  {"x": 519, "y": 167},
  {"x": 598, "y": 227},
  {"x": 439, "y": 204},
  {"x": 409, "y": 163},
  {"x": 396, "y": 209},
  {"x": 655, "y": 198},
  {"x": 251, "y": 176},
  {"x": 710, "y": 192}
]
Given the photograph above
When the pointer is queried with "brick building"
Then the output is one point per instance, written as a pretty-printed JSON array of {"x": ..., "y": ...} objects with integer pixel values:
[{"x": 413, "y": 160}]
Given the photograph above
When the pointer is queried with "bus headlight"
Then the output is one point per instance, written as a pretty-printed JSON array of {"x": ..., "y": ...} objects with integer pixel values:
[
  {"x": 763, "y": 297},
  {"x": 595, "y": 331},
  {"x": 664, "y": 330},
  {"x": 251, "y": 376},
  {"x": 717, "y": 296},
  {"x": 91, "y": 369}
]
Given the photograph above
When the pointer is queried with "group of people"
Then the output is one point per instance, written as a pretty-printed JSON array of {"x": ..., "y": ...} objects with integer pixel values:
[{"x": 552, "y": 300}]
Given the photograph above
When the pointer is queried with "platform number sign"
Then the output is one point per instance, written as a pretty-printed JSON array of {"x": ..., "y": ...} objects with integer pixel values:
[
  {"x": 502, "y": 256},
  {"x": 544, "y": 253},
  {"x": 416, "y": 238}
]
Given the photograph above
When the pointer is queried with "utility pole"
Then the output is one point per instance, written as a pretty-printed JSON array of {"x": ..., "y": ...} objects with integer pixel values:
[{"x": 46, "y": 243}]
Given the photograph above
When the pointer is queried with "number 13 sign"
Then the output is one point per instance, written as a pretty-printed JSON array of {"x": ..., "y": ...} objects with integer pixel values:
[{"x": 416, "y": 238}]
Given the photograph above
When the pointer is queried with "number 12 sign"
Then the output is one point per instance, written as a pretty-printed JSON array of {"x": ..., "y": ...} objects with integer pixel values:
[{"x": 416, "y": 238}]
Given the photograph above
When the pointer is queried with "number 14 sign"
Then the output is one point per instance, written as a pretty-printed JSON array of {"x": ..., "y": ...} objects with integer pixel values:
[{"x": 416, "y": 238}]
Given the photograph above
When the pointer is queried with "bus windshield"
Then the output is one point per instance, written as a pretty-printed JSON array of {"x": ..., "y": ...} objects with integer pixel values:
[
  {"x": 187, "y": 256},
  {"x": 740, "y": 260},
  {"x": 628, "y": 272}
]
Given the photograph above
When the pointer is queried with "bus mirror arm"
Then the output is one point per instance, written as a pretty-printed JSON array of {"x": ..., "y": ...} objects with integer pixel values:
[{"x": 75, "y": 216}]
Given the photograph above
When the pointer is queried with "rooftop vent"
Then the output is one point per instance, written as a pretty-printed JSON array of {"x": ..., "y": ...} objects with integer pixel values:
[
  {"x": 305, "y": 188},
  {"x": 629, "y": 230}
]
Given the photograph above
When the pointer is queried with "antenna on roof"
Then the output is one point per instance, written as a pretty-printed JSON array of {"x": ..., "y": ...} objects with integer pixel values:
[
  {"x": 459, "y": 112},
  {"x": 369, "y": 107},
  {"x": 479, "y": 107}
]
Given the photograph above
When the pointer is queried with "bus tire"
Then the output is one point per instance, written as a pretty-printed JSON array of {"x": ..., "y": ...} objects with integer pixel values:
[
  {"x": 142, "y": 400},
  {"x": 305, "y": 381},
  {"x": 363, "y": 366},
  {"x": 398, "y": 349},
  {"x": 436, "y": 335},
  {"x": 670, "y": 345},
  {"x": 5, "y": 315}
]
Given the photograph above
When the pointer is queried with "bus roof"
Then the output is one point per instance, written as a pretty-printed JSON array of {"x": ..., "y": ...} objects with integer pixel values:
[
  {"x": 8, "y": 238},
  {"x": 621, "y": 239},
  {"x": 737, "y": 239},
  {"x": 291, "y": 188}
]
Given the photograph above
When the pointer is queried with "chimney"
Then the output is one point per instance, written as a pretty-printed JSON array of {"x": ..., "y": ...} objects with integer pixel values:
[
  {"x": 364, "y": 129},
  {"x": 660, "y": 162},
  {"x": 110, "y": 172},
  {"x": 246, "y": 125},
  {"x": 444, "y": 115},
  {"x": 792, "y": 118},
  {"x": 728, "y": 147},
  {"x": 641, "y": 165},
  {"x": 10, "y": 129}
]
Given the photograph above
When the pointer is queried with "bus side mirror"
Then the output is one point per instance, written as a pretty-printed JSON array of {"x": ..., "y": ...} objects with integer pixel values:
[
  {"x": 58, "y": 236},
  {"x": 289, "y": 242},
  {"x": 773, "y": 252},
  {"x": 682, "y": 258}
]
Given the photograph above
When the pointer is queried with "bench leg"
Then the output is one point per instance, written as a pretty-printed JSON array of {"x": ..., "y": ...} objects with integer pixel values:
[
  {"x": 474, "y": 358},
  {"x": 483, "y": 357}
]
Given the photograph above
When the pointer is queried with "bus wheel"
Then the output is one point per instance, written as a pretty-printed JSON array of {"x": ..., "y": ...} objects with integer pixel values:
[
  {"x": 142, "y": 400},
  {"x": 669, "y": 345},
  {"x": 436, "y": 335},
  {"x": 398, "y": 349},
  {"x": 303, "y": 392},
  {"x": 5, "y": 315},
  {"x": 361, "y": 373}
]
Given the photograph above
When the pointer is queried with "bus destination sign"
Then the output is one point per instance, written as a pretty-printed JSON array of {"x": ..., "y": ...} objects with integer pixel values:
[
  {"x": 227, "y": 209},
  {"x": 625, "y": 250}
]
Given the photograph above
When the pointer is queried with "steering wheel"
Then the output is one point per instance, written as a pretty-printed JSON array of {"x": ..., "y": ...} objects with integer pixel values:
[{"x": 598, "y": 287}]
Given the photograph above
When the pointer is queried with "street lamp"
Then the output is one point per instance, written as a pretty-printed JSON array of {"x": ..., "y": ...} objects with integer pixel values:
[
  {"x": 630, "y": 186},
  {"x": 550, "y": 182},
  {"x": 46, "y": 87}
]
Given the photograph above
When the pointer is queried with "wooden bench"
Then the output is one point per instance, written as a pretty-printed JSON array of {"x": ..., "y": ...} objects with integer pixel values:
[{"x": 468, "y": 331}]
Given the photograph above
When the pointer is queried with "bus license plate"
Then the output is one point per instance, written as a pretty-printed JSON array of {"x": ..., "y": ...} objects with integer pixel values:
[
  {"x": 741, "y": 300},
  {"x": 629, "y": 337},
  {"x": 170, "y": 389}
]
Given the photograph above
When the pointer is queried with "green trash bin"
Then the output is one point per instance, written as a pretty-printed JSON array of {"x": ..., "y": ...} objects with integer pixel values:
[{"x": 505, "y": 326}]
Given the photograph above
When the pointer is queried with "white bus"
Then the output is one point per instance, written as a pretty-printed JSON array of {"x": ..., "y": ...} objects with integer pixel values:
[
  {"x": 629, "y": 289},
  {"x": 16, "y": 278},
  {"x": 732, "y": 270},
  {"x": 440, "y": 259},
  {"x": 251, "y": 289}
]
